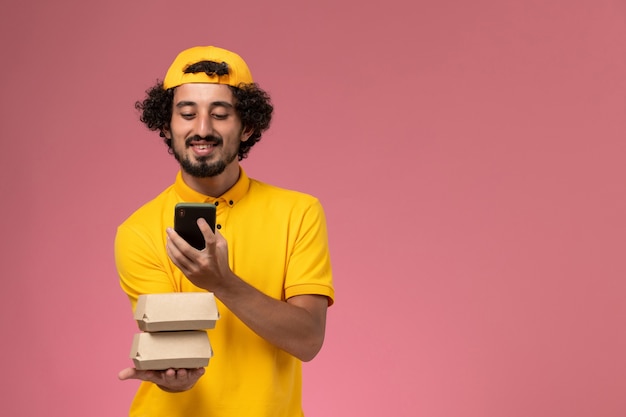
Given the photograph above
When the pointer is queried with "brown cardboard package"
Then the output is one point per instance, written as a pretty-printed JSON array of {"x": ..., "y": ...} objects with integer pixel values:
[
  {"x": 164, "y": 350},
  {"x": 176, "y": 311}
]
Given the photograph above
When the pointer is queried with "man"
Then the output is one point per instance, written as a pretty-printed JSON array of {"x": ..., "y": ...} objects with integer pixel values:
[{"x": 267, "y": 262}]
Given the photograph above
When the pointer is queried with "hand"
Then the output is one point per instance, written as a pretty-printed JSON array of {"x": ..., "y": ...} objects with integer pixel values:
[
  {"x": 170, "y": 380},
  {"x": 204, "y": 268}
]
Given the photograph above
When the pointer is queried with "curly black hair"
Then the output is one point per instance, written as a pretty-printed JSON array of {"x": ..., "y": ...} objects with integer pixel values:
[{"x": 252, "y": 104}]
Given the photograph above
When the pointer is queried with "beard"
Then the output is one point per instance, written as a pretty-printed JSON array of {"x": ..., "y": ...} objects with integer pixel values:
[{"x": 202, "y": 168}]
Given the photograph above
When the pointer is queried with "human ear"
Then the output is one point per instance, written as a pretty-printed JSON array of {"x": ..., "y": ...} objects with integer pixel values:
[
  {"x": 166, "y": 132},
  {"x": 246, "y": 133}
]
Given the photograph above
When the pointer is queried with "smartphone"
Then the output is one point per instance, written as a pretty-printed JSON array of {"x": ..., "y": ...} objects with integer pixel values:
[{"x": 186, "y": 216}]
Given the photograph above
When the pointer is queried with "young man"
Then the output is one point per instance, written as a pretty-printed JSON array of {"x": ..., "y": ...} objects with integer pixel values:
[{"x": 267, "y": 262}]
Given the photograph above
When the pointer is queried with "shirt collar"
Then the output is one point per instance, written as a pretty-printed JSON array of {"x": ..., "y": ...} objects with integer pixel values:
[{"x": 231, "y": 196}]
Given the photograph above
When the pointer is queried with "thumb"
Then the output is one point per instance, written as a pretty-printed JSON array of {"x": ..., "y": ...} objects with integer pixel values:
[{"x": 128, "y": 373}]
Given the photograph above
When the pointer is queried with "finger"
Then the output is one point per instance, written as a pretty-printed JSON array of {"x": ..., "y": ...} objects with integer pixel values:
[
  {"x": 180, "y": 243},
  {"x": 173, "y": 252},
  {"x": 176, "y": 379},
  {"x": 209, "y": 235},
  {"x": 176, "y": 241},
  {"x": 127, "y": 373},
  {"x": 176, "y": 250},
  {"x": 132, "y": 373},
  {"x": 196, "y": 373},
  {"x": 175, "y": 256},
  {"x": 189, "y": 376}
]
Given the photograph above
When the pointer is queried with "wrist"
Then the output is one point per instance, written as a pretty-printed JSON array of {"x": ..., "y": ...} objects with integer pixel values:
[{"x": 225, "y": 286}]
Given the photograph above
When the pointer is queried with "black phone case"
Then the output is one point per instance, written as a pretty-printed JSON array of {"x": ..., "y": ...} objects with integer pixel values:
[{"x": 186, "y": 216}]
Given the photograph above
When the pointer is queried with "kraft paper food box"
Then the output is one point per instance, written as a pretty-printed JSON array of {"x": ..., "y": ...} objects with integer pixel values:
[
  {"x": 164, "y": 350},
  {"x": 176, "y": 311}
]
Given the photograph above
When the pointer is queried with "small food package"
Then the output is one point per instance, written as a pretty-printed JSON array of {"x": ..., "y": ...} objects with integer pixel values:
[
  {"x": 164, "y": 350},
  {"x": 176, "y": 311}
]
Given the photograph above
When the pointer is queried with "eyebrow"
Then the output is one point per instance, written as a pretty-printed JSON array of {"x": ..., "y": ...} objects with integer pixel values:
[{"x": 213, "y": 104}]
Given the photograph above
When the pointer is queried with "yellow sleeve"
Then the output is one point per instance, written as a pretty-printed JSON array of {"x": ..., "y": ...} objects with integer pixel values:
[
  {"x": 309, "y": 268},
  {"x": 142, "y": 262}
]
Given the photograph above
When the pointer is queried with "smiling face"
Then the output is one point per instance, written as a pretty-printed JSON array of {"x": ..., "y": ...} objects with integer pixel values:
[{"x": 205, "y": 129}]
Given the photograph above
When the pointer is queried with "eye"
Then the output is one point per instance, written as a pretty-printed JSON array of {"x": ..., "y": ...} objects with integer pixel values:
[
  {"x": 219, "y": 116},
  {"x": 187, "y": 115}
]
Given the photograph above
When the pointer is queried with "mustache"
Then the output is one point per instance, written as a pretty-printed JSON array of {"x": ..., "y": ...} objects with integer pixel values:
[{"x": 210, "y": 138}]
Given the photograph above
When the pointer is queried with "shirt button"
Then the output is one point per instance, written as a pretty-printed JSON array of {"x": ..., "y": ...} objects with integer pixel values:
[
  {"x": 231, "y": 202},
  {"x": 217, "y": 203},
  {"x": 219, "y": 226}
]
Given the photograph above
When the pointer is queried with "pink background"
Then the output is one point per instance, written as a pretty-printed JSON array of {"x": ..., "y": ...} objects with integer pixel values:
[{"x": 470, "y": 157}]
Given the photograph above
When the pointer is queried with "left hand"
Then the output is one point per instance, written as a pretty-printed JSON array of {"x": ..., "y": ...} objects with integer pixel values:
[{"x": 205, "y": 268}]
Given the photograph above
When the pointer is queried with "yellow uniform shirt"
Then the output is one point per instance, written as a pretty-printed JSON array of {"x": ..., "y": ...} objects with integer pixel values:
[{"x": 277, "y": 242}]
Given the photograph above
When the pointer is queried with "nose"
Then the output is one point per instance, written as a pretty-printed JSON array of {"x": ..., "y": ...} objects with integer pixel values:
[{"x": 205, "y": 126}]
